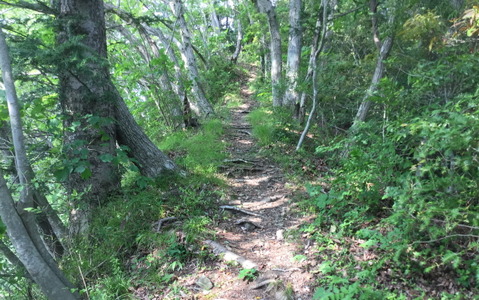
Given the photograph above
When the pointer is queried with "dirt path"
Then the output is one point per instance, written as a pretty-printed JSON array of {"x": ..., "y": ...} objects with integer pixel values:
[{"x": 258, "y": 186}]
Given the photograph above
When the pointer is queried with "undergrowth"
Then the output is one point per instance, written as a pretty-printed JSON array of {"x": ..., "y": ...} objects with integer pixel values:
[
  {"x": 397, "y": 218},
  {"x": 124, "y": 248}
]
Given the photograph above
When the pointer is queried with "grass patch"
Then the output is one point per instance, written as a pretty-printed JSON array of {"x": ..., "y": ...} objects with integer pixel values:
[
  {"x": 122, "y": 249},
  {"x": 200, "y": 151}
]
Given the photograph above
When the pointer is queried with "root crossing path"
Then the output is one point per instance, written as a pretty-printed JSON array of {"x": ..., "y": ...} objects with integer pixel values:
[{"x": 254, "y": 231}]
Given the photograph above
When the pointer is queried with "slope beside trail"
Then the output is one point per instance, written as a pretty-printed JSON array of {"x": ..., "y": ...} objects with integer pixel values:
[{"x": 257, "y": 185}]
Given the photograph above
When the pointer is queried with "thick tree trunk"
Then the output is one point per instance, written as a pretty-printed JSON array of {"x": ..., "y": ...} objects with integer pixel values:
[
  {"x": 88, "y": 103},
  {"x": 291, "y": 97},
  {"x": 202, "y": 106},
  {"x": 266, "y": 7},
  {"x": 96, "y": 117}
]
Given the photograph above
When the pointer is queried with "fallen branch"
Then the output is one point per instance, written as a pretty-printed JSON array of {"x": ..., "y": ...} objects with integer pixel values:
[
  {"x": 245, "y": 132},
  {"x": 236, "y": 161},
  {"x": 237, "y": 209},
  {"x": 163, "y": 221},
  {"x": 227, "y": 255},
  {"x": 262, "y": 283}
]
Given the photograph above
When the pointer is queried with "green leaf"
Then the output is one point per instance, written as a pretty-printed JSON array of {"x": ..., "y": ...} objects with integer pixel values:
[
  {"x": 80, "y": 169},
  {"x": 106, "y": 157},
  {"x": 86, "y": 173},
  {"x": 61, "y": 174}
]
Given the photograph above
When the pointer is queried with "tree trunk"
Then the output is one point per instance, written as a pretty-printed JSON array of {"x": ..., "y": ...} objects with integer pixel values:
[
  {"x": 13, "y": 259},
  {"x": 178, "y": 86},
  {"x": 202, "y": 106},
  {"x": 266, "y": 7},
  {"x": 150, "y": 160},
  {"x": 20, "y": 221},
  {"x": 320, "y": 38},
  {"x": 96, "y": 117},
  {"x": 383, "y": 49},
  {"x": 88, "y": 101},
  {"x": 378, "y": 74},
  {"x": 167, "y": 102},
  {"x": 239, "y": 43},
  {"x": 42, "y": 272},
  {"x": 291, "y": 98},
  {"x": 47, "y": 219}
]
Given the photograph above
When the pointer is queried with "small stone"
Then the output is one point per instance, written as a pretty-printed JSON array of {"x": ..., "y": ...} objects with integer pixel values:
[
  {"x": 266, "y": 200},
  {"x": 204, "y": 283},
  {"x": 280, "y": 234}
]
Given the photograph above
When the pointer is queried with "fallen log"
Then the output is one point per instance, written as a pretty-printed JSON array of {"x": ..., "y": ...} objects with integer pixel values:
[
  {"x": 228, "y": 255},
  {"x": 237, "y": 209}
]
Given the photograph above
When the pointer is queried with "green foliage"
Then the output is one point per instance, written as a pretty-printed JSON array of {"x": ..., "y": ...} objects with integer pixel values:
[
  {"x": 114, "y": 286},
  {"x": 203, "y": 152},
  {"x": 420, "y": 179},
  {"x": 220, "y": 77},
  {"x": 269, "y": 126},
  {"x": 425, "y": 28},
  {"x": 352, "y": 291},
  {"x": 248, "y": 274}
]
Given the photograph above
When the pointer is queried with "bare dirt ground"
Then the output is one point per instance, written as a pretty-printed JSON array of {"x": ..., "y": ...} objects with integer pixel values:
[{"x": 258, "y": 186}]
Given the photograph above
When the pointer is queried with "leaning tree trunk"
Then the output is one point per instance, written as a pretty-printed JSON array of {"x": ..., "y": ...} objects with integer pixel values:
[
  {"x": 384, "y": 48},
  {"x": 378, "y": 74},
  {"x": 202, "y": 107},
  {"x": 53, "y": 229},
  {"x": 313, "y": 66},
  {"x": 168, "y": 104},
  {"x": 239, "y": 34},
  {"x": 42, "y": 272},
  {"x": 291, "y": 97},
  {"x": 19, "y": 219},
  {"x": 151, "y": 161},
  {"x": 300, "y": 112},
  {"x": 266, "y": 7}
]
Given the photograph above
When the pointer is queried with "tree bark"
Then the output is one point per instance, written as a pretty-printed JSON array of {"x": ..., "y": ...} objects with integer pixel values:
[
  {"x": 266, "y": 7},
  {"x": 42, "y": 272},
  {"x": 378, "y": 74},
  {"x": 317, "y": 47},
  {"x": 239, "y": 43},
  {"x": 96, "y": 117},
  {"x": 20, "y": 221},
  {"x": 13, "y": 259},
  {"x": 202, "y": 106},
  {"x": 383, "y": 48},
  {"x": 150, "y": 160},
  {"x": 291, "y": 97},
  {"x": 320, "y": 39},
  {"x": 177, "y": 86},
  {"x": 88, "y": 101}
]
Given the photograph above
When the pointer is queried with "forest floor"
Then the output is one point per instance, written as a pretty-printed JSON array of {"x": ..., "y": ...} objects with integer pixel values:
[{"x": 272, "y": 264}]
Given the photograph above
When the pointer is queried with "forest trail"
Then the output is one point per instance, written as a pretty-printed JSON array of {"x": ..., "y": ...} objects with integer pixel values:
[{"x": 256, "y": 185}]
